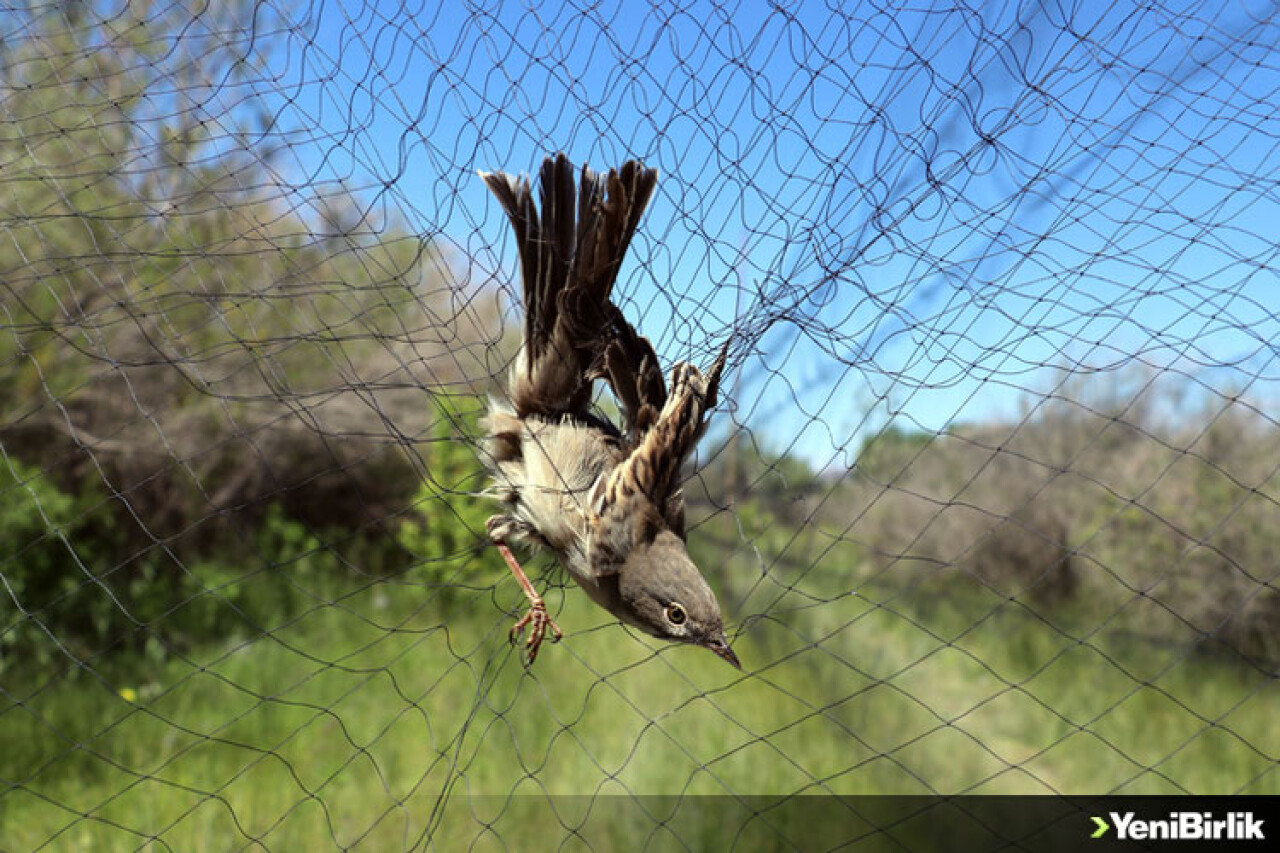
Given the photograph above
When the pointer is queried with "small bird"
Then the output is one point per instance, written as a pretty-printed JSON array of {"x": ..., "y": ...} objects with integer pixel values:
[{"x": 604, "y": 499}]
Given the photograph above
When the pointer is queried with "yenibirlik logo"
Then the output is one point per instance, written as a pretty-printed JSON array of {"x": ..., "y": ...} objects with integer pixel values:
[{"x": 1182, "y": 826}]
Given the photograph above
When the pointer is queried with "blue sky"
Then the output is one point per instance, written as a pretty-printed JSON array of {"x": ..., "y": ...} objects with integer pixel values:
[{"x": 941, "y": 205}]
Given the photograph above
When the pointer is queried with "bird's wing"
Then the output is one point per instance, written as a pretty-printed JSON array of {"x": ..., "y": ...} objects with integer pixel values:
[
  {"x": 630, "y": 366},
  {"x": 571, "y": 246},
  {"x": 650, "y": 475}
]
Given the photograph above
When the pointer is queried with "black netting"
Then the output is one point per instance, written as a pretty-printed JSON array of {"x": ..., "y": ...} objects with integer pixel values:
[{"x": 991, "y": 500}]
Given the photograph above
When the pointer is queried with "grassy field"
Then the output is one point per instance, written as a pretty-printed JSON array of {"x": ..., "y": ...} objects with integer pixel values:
[{"x": 375, "y": 725}]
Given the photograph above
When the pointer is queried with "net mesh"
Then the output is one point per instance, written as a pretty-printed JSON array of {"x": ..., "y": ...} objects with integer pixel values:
[{"x": 990, "y": 501}]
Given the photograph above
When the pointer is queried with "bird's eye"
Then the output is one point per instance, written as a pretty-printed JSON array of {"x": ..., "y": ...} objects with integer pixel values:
[{"x": 676, "y": 614}]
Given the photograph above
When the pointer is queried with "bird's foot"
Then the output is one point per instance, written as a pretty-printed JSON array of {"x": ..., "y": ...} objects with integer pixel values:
[{"x": 537, "y": 620}]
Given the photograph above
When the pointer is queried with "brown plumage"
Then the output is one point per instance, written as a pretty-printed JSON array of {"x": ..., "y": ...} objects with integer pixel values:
[{"x": 604, "y": 499}]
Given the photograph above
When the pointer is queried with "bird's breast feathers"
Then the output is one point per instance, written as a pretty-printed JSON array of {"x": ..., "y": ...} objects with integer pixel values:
[{"x": 552, "y": 476}]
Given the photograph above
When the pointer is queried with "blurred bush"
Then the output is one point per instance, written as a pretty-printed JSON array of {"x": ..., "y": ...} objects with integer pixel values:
[
  {"x": 211, "y": 382},
  {"x": 1121, "y": 495},
  {"x": 445, "y": 530}
]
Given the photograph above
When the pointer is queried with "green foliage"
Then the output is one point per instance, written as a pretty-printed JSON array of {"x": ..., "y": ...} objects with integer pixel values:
[
  {"x": 36, "y": 519},
  {"x": 285, "y": 566},
  {"x": 178, "y": 347},
  {"x": 68, "y": 587},
  {"x": 66, "y": 575},
  {"x": 889, "y": 452},
  {"x": 446, "y": 528}
]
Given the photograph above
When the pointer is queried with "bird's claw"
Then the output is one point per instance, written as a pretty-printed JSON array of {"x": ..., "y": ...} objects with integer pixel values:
[{"x": 538, "y": 621}]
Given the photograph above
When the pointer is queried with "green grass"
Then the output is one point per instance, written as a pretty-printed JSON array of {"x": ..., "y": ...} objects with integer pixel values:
[{"x": 336, "y": 730}]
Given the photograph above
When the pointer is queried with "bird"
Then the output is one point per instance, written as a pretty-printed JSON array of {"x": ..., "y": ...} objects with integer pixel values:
[{"x": 604, "y": 498}]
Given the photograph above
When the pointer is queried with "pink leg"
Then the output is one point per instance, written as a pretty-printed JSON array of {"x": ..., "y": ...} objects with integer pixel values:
[{"x": 537, "y": 616}]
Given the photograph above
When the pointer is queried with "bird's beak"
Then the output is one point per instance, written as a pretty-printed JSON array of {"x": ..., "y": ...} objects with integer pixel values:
[{"x": 720, "y": 646}]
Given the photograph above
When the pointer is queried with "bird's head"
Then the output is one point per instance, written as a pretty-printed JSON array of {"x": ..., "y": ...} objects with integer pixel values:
[{"x": 662, "y": 593}]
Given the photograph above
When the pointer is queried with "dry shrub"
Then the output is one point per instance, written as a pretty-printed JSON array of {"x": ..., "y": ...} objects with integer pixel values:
[
  {"x": 958, "y": 505},
  {"x": 1027, "y": 555},
  {"x": 181, "y": 329},
  {"x": 187, "y": 428},
  {"x": 1115, "y": 487}
]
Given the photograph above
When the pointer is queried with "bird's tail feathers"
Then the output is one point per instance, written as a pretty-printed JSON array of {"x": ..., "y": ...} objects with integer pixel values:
[{"x": 571, "y": 245}]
